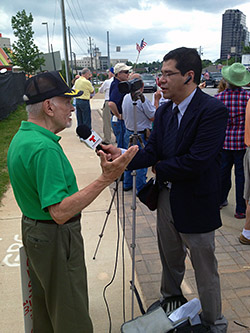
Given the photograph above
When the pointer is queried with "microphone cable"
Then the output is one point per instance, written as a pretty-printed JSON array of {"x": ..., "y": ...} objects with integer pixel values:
[
  {"x": 115, "y": 265},
  {"x": 123, "y": 260}
]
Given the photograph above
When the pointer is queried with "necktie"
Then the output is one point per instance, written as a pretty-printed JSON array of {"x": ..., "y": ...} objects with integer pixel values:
[{"x": 171, "y": 133}]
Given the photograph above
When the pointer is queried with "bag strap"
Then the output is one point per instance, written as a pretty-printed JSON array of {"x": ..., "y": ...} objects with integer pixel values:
[{"x": 139, "y": 301}]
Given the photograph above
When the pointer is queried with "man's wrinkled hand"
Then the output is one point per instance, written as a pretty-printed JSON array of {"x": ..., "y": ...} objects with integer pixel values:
[
  {"x": 113, "y": 170},
  {"x": 111, "y": 151}
]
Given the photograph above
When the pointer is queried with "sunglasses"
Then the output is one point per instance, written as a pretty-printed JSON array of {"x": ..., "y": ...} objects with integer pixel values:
[{"x": 125, "y": 72}]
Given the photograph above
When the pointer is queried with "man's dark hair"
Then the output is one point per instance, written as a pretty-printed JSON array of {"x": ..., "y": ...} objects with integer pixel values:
[{"x": 186, "y": 59}]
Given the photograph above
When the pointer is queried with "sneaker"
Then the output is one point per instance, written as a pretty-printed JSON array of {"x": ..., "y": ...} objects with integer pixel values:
[
  {"x": 244, "y": 240},
  {"x": 81, "y": 139},
  {"x": 224, "y": 204},
  {"x": 240, "y": 215}
]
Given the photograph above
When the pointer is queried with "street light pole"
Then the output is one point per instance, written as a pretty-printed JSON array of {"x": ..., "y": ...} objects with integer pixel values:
[
  {"x": 67, "y": 71},
  {"x": 46, "y": 23}
]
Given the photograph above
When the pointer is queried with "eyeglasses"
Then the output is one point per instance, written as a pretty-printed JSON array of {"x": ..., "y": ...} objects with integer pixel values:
[
  {"x": 125, "y": 72},
  {"x": 166, "y": 75}
]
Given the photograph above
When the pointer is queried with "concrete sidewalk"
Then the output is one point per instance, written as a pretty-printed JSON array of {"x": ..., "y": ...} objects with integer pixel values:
[
  {"x": 100, "y": 271},
  {"x": 233, "y": 258}
]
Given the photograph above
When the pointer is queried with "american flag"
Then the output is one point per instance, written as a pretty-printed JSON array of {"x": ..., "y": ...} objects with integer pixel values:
[{"x": 141, "y": 46}]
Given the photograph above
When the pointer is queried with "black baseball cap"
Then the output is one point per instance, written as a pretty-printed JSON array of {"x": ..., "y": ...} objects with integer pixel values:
[{"x": 47, "y": 85}]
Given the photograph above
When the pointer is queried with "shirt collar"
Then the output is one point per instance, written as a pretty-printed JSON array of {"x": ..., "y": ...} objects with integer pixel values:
[
  {"x": 27, "y": 126},
  {"x": 184, "y": 104}
]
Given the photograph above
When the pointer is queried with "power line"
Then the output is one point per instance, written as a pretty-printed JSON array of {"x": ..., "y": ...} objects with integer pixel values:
[
  {"x": 84, "y": 52},
  {"x": 83, "y": 18},
  {"x": 80, "y": 27}
]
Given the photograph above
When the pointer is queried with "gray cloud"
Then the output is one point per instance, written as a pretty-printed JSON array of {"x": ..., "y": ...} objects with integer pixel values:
[
  {"x": 212, "y": 6},
  {"x": 94, "y": 18}
]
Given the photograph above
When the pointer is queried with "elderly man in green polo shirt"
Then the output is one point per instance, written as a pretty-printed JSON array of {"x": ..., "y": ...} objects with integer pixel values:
[{"x": 45, "y": 188}]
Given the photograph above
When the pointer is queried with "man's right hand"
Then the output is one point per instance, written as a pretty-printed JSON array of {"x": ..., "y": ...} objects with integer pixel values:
[
  {"x": 113, "y": 170},
  {"x": 111, "y": 151}
]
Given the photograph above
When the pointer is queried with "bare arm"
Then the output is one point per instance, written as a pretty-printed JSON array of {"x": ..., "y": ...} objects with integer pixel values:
[
  {"x": 114, "y": 110},
  {"x": 73, "y": 204},
  {"x": 157, "y": 97}
]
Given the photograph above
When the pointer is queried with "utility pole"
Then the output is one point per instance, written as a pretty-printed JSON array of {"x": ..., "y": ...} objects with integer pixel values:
[
  {"x": 47, "y": 28},
  {"x": 108, "y": 49},
  {"x": 67, "y": 71},
  {"x": 95, "y": 56},
  {"x": 70, "y": 52},
  {"x": 200, "y": 51},
  {"x": 90, "y": 51},
  {"x": 74, "y": 61}
]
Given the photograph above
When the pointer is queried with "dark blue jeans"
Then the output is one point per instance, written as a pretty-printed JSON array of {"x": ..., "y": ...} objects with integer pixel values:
[
  {"x": 232, "y": 158},
  {"x": 141, "y": 174},
  {"x": 118, "y": 128},
  {"x": 83, "y": 112}
]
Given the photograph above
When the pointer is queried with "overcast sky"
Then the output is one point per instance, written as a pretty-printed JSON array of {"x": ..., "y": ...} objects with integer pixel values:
[{"x": 164, "y": 25}]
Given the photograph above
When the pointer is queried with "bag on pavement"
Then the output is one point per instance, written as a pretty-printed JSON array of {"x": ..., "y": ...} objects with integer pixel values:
[{"x": 182, "y": 320}]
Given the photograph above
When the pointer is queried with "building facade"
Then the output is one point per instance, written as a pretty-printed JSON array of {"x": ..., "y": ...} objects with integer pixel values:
[
  {"x": 234, "y": 34},
  {"x": 4, "y": 42},
  {"x": 98, "y": 62}
]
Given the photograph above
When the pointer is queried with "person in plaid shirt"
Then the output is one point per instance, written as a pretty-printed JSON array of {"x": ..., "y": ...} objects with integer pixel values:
[{"x": 235, "y": 98}]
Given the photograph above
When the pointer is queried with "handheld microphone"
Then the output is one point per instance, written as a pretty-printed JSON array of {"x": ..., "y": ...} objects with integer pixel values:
[
  {"x": 91, "y": 138},
  {"x": 188, "y": 79}
]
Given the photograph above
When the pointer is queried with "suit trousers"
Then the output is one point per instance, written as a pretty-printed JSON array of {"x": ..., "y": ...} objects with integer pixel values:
[
  {"x": 173, "y": 247},
  {"x": 58, "y": 277}
]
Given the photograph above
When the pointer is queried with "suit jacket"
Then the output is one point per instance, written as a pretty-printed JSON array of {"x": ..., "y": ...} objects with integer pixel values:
[{"x": 194, "y": 170}]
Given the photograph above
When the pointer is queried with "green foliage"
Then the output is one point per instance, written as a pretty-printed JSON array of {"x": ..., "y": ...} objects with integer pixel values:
[
  {"x": 25, "y": 52},
  {"x": 206, "y": 63},
  {"x": 152, "y": 67},
  {"x": 246, "y": 49},
  {"x": 226, "y": 62},
  {"x": 8, "y": 128}
]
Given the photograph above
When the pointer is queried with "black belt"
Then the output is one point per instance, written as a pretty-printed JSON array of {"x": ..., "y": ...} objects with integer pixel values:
[
  {"x": 73, "y": 219},
  {"x": 139, "y": 132}
]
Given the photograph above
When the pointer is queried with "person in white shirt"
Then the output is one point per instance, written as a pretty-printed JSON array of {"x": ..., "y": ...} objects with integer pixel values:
[
  {"x": 106, "y": 113},
  {"x": 145, "y": 113}
]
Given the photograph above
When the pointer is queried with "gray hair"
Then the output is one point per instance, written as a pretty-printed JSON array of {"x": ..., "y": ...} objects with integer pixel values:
[
  {"x": 85, "y": 70},
  {"x": 35, "y": 109}
]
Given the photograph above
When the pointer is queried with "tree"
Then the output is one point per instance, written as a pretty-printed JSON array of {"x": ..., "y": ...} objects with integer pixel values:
[
  {"x": 206, "y": 63},
  {"x": 246, "y": 49},
  {"x": 25, "y": 52}
]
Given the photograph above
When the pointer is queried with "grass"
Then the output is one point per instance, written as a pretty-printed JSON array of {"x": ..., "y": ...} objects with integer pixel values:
[{"x": 8, "y": 128}]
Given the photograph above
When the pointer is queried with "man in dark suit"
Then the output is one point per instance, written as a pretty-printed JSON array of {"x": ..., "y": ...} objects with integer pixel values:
[{"x": 184, "y": 149}]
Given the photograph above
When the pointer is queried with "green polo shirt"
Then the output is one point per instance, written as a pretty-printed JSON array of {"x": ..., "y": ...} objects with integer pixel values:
[{"x": 40, "y": 173}]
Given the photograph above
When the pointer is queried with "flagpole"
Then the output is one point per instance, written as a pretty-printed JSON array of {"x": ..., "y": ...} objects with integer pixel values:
[{"x": 136, "y": 60}]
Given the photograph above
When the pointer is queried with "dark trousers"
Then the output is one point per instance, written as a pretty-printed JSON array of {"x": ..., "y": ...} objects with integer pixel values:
[
  {"x": 58, "y": 277},
  {"x": 118, "y": 128},
  {"x": 83, "y": 112},
  {"x": 232, "y": 158},
  {"x": 141, "y": 174}
]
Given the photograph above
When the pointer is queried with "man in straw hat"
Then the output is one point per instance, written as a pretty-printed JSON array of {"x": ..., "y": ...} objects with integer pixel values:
[
  {"x": 45, "y": 188},
  {"x": 235, "y": 98}
]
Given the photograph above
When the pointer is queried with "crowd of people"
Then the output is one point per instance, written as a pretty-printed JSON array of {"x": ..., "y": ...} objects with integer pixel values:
[{"x": 195, "y": 141}]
